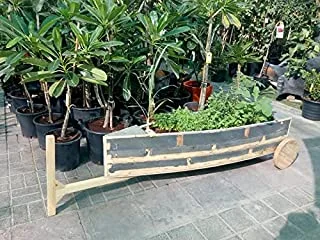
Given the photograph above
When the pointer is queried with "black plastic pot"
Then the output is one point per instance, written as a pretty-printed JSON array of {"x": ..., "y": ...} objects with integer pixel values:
[
  {"x": 311, "y": 110},
  {"x": 94, "y": 144},
  {"x": 95, "y": 139},
  {"x": 182, "y": 97},
  {"x": 67, "y": 153},
  {"x": 17, "y": 101},
  {"x": 25, "y": 120},
  {"x": 192, "y": 106},
  {"x": 42, "y": 129},
  {"x": 84, "y": 115}
]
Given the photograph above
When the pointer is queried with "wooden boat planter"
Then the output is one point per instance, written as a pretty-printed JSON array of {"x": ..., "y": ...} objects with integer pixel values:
[{"x": 127, "y": 157}]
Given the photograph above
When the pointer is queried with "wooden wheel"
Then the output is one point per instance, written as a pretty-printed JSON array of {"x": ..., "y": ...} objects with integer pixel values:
[{"x": 286, "y": 153}]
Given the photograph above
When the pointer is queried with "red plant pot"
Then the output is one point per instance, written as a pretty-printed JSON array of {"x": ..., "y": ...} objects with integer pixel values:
[{"x": 194, "y": 87}]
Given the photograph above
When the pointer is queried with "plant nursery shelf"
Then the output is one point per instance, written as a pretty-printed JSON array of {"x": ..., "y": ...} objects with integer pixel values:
[{"x": 126, "y": 157}]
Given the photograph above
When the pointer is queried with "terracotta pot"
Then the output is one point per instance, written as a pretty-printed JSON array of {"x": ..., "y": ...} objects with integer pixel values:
[{"x": 194, "y": 88}]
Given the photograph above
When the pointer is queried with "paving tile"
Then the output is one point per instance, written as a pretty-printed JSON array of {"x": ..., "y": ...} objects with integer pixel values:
[
  {"x": 4, "y": 180},
  {"x": 256, "y": 233},
  {"x": 134, "y": 185},
  {"x": 188, "y": 232},
  {"x": 26, "y": 199},
  {"x": 20, "y": 214},
  {"x": 21, "y": 170},
  {"x": 120, "y": 219},
  {"x": 4, "y": 170},
  {"x": 304, "y": 221},
  {"x": 282, "y": 229},
  {"x": 214, "y": 193},
  {"x": 160, "y": 237},
  {"x": 5, "y": 223},
  {"x": 169, "y": 206},
  {"x": 96, "y": 195},
  {"x": 213, "y": 228},
  {"x": 259, "y": 211},
  {"x": 31, "y": 179},
  {"x": 5, "y": 234},
  {"x": 146, "y": 182},
  {"x": 297, "y": 197},
  {"x": 233, "y": 238},
  {"x": 114, "y": 191},
  {"x": 162, "y": 180},
  {"x": 5, "y": 212},
  {"x": 237, "y": 219},
  {"x": 279, "y": 203},
  {"x": 67, "y": 204},
  {"x": 66, "y": 226},
  {"x": 4, "y": 200},
  {"x": 37, "y": 210},
  {"x": 248, "y": 182},
  {"x": 4, "y": 187},
  {"x": 17, "y": 181},
  {"x": 83, "y": 199},
  {"x": 25, "y": 191}
]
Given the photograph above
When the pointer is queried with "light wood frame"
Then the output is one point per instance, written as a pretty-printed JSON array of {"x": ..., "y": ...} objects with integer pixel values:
[{"x": 285, "y": 149}]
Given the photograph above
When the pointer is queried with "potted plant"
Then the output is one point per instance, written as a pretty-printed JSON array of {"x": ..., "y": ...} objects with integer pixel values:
[
  {"x": 210, "y": 11},
  {"x": 311, "y": 99}
]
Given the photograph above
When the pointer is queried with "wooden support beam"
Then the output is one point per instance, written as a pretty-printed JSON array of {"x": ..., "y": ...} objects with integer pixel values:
[
  {"x": 191, "y": 166},
  {"x": 87, "y": 184},
  {"x": 177, "y": 156},
  {"x": 51, "y": 175}
]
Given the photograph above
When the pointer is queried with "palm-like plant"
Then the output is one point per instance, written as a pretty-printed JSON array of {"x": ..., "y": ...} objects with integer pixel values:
[
  {"x": 227, "y": 11},
  {"x": 240, "y": 53},
  {"x": 160, "y": 35}
]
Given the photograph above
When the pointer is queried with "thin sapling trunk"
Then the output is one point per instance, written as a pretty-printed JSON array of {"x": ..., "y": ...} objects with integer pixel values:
[
  {"x": 66, "y": 118},
  {"x": 29, "y": 97},
  {"x": 47, "y": 99},
  {"x": 238, "y": 76}
]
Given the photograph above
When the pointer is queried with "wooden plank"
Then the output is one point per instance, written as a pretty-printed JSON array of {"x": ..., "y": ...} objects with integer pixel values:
[
  {"x": 166, "y": 157},
  {"x": 90, "y": 183},
  {"x": 51, "y": 175},
  {"x": 190, "y": 167}
]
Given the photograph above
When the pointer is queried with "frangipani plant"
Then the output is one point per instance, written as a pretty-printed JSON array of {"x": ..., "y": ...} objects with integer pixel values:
[
  {"x": 226, "y": 12},
  {"x": 159, "y": 34}
]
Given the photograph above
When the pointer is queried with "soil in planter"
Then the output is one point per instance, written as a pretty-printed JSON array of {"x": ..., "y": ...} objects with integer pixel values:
[
  {"x": 97, "y": 126},
  {"x": 71, "y": 134},
  {"x": 27, "y": 110},
  {"x": 55, "y": 119}
]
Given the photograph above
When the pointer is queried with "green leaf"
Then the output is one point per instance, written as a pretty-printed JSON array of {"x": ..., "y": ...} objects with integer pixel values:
[
  {"x": 53, "y": 66},
  {"x": 177, "y": 31},
  {"x": 126, "y": 88},
  {"x": 90, "y": 80},
  {"x": 37, "y": 76},
  {"x": 78, "y": 34},
  {"x": 72, "y": 79},
  {"x": 57, "y": 40},
  {"x": 96, "y": 73},
  {"x": 57, "y": 88},
  {"x": 15, "y": 58},
  {"x": 139, "y": 59},
  {"x": 13, "y": 42},
  {"x": 107, "y": 44},
  {"x": 36, "y": 62},
  {"x": 96, "y": 34},
  {"x": 47, "y": 24}
]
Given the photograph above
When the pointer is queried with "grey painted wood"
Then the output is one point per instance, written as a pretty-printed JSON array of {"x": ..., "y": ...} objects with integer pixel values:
[{"x": 136, "y": 146}]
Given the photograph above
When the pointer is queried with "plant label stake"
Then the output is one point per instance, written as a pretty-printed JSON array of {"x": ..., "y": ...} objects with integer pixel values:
[
  {"x": 280, "y": 31},
  {"x": 209, "y": 58}
]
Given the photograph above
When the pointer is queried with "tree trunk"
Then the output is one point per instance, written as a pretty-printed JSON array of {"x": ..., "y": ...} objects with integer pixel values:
[
  {"x": 29, "y": 97},
  {"x": 238, "y": 76},
  {"x": 206, "y": 69},
  {"x": 47, "y": 98},
  {"x": 66, "y": 118}
]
